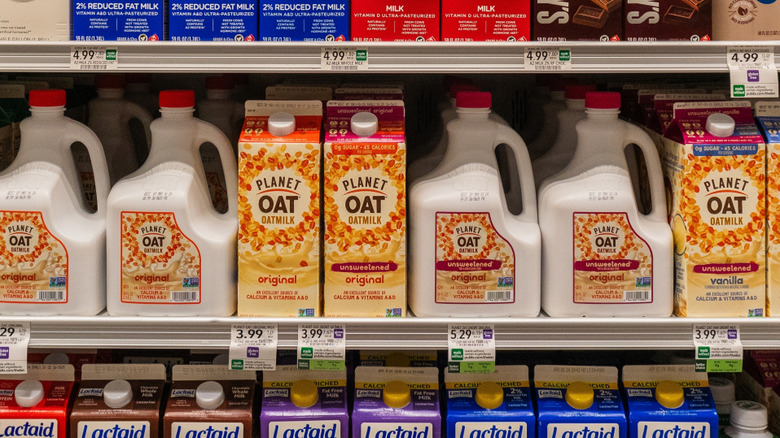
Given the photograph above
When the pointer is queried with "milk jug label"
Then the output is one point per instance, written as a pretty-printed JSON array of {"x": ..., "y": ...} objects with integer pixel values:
[
  {"x": 34, "y": 265},
  {"x": 159, "y": 263},
  {"x": 113, "y": 429},
  {"x": 474, "y": 263},
  {"x": 612, "y": 264},
  {"x": 45, "y": 428}
]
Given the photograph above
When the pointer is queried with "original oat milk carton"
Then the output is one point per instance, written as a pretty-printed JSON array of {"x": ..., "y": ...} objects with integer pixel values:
[
  {"x": 714, "y": 168},
  {"x": 365, "y": 209},
  {"x": 279, "y": 209},
  {"x": 768, "y": 116}
]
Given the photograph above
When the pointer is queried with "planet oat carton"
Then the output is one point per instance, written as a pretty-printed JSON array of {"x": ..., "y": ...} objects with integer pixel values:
[{"x": 768, "y": 115}]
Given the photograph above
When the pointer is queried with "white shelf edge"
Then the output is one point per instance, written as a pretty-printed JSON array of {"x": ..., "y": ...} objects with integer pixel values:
[{"x": 439, "y": 57}]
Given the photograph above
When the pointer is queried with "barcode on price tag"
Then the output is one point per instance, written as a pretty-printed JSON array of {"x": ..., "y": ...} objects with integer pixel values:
[
  {"x": 321, "y": 346},
  {"x": 547, "y": 59},
  {"x": 753, "y": 71},
  {"x": 253, "y": 347},
  {"x": 343, "y": 59},
  {"x": 14, "y": 338},
  {"x": 471, "y": 348},
  {"x": 94, "y": 58},
  {"x": 718, "y": 348}
]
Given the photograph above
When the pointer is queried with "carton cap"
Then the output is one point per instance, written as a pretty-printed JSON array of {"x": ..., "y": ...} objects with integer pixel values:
[
  {"x": 219, "y": 83},
  {"x": 574, "y": 91},
  {"x": 303, "y": 393},
  {"x": 490, "y": 395},
  {"x": 47, "y": 98},
  {"x": 117, "y": 394},
  {"x": 748, "y": 415},
  {"x": 722, "y": 390},
  {"x": 58, "y": 358},
  {"x": 579, "y": 395},
  {"x": 473, "y": 99},
  {"x": 669, "y": 394},
  {"x": 112, "y": 82},
  {"x": 602, "y": 100},
  {"x": 720, "y": 125},
  {"x": 28, "y": 393},
  {"x": 177, "y": 99},
  {"x": 281, "y": 124},
  {"x": 209, "y": 395},
  {"x": 396, "y": 394},
  {"x": 364, "y": 124}
]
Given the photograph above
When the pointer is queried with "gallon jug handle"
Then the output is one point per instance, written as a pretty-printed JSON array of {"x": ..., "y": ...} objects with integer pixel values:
[
  {"x": 208, "y": 133},
  {"x": 506, "y": 135},
  {"x": 657, "y": 193},
  {"x": 135, "y": 111},
  {"x": 78, "y": 133}
]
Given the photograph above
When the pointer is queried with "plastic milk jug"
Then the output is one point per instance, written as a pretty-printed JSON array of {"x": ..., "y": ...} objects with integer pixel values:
[{"x": 169, "y": 251}]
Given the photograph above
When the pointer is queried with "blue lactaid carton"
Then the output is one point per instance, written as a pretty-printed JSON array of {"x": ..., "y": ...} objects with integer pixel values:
[
  {"x": 110, "y": 20},
  {"x": 304, "y": 20},
  {"x": 212, "y": 20}
]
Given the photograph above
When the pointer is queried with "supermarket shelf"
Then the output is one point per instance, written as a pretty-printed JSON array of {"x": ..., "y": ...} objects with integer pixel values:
[
  {"x": 258, "y": 57},
  {"x": 403, "y": 333}
]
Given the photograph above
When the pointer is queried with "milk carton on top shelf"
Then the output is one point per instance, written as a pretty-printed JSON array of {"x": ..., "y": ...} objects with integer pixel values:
[
  {"x": 300, "y": 20},
  {"x": 714, "y": 164},
  {"x": 36, "y": 404},
  {"x": 578, "y": 401},
  {"x": 39, "y": 20},
  {"x": 394, "y": 20},
  {"x": 496, "y": 404},
  {"x": 475, "y": 20},
  {"x": 108, "y": 20},
  {"x": 669, "y": 400},
  {"x": 279, "y": 209},
  {"x": 219, "y": 20},
  {"x": 304, "y": 403},
  {"x": 768, "y": 116}
]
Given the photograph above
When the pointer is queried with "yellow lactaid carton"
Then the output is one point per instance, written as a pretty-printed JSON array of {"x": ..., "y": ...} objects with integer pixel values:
[
  {"x": 365, "y": 209},
  {"x": 714, "y": 162},
  {"x": 768, "y": 115},
  {"x": 279, "y": 157}
]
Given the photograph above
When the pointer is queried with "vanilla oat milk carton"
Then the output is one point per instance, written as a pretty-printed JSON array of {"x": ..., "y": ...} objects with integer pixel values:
[{"x": 768, "y": 116}]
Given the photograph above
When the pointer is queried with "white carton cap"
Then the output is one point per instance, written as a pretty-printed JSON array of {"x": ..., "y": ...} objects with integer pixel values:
[
  {"x": 281, "y": 124},
  {"x": 748, "y": 415},
  {"x": 58, "y": 358},
  {"x": 722, "y": 390},
  {"x": 117, "y": 394},
  {"x": 720, "y": 125},
  {"x": 209, "y": 395},
  {"x": 364, "y": 124},
  {"x": 28, "y": 393}
]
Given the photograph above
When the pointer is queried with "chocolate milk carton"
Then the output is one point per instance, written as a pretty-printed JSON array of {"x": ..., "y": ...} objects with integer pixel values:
[
  {"x": 36, "y": 404},
  {"x": 496, "y": 404},
  {"x": 304, "y": 403},
  {"x": 396, "y": 402},
  {"x": 577, "y": 20},
  {"x": 118, "y": 400},
  {"x": 668, "y": 20},
  {"x": 210, "y": 401},
  {"x": 669, "y": 401},
  {"x": 578, "y": 401},
  {"x": 768, "y": 116},
  {"x": 279, "y": 157},
  {"x": 740, "y": 20},
  {"x": 714, "y": 167}
]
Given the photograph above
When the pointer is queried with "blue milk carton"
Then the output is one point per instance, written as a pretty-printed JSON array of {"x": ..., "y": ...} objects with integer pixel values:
[
  {"x": 578, "y": 402},
  {"x": 669, "y": 401},
  {"x": 213, "y": 20},
  {"x": 118, "y": 20},
  {"x": 304, "y": 20},
  {"x": 490, "y": 405}
]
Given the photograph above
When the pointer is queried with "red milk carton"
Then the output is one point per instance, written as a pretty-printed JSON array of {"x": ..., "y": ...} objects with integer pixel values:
[
  {"x": 480, "y": 20},
  {"x": 36, "y": 404},
  {"x": 395, "y": 20}
]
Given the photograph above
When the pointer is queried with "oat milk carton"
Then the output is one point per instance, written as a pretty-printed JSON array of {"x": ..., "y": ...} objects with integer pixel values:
[
  {"x": 714, "y": 163},
  {"x": 36, "y": 404},
  {"x": 365, "y": 208},
  {"x": 768, "y": 115},
  {"x": 279, "y": 209}
]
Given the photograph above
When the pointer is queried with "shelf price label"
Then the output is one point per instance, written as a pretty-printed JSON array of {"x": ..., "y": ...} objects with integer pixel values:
[
  {"x": 343, "y": 59},
  {"x": 14, "y": 339},
  {"x": 253, "y": 347},
  {"x": 321, "y": 346},
  {"x": 718, "y": 348},
  {"x": 753, "y": 71},
  {"x": 550, "y": 59},
  {"x": 94, "y": 58},
  {"x": 471, "y": 348}
]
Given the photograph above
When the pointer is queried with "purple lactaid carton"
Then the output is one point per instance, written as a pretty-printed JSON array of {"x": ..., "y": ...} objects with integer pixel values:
[
  {"x": 396, "y": 402},
  {"x": 304, "y": 404}
]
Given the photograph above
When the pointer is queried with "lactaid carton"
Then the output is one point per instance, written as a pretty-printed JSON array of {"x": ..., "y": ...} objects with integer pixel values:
[
  {"x": 300, "y": 20},
  {"x": 382, "y": 358},
  {"x": 213, "y": 20},
  {"x": 118, "y": 401},
  {"x": 395, "y": 20},
  {"x": 36, "y": 404},
  {"x": 109, "y": 20},
  {"x": 714, "y": 159},
  {"x": 25, "y": 20},
  {"x": 578, "y": 402},
  {"x": 304, "y": 403},
  {"x": 490, "y": 405},
  {"x": 669, "y": 401},
  {"x": 365, "y": 208},
  {"x": 768, "y": 116},
  {"x": 279, "y": 209},
  {"x": 392, "y": 402},
  {"x": 210, "y": 401}
]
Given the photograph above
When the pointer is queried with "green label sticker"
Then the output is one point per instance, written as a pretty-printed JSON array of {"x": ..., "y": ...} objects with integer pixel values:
[
  {"x": 477, "y": 367},
  {"x": 307, "y": 352},
  {"x": 361, "y": 55},
  {"x": 738, "y": 91},
  {"x": 457, "y": 354},
  {"x": 703, "y": 353},
  {"x": 111, "y": 55},
  {"x": 719, "y": 366},
  {"x": 303, "y": 364},
  {"x": 236, "y": 364},
  {"x": 326, "y": 365},
  {"x": 564, "y": 55}
]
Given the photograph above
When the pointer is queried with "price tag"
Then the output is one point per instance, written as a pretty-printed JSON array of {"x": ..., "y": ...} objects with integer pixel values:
[
  {"x": 547, "y": 59},
  {"x": 718, "y": 348},
  {"x": 753, "y": 71},
  {"x": 471, "y": 348},
  {"x": 94, "y": 58},
  {"x": 14, "y": 338},
  {"x": 321, "y": 346},
  {"x": 343, "y": 59},
  {"x": 253, "y": 346}
]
